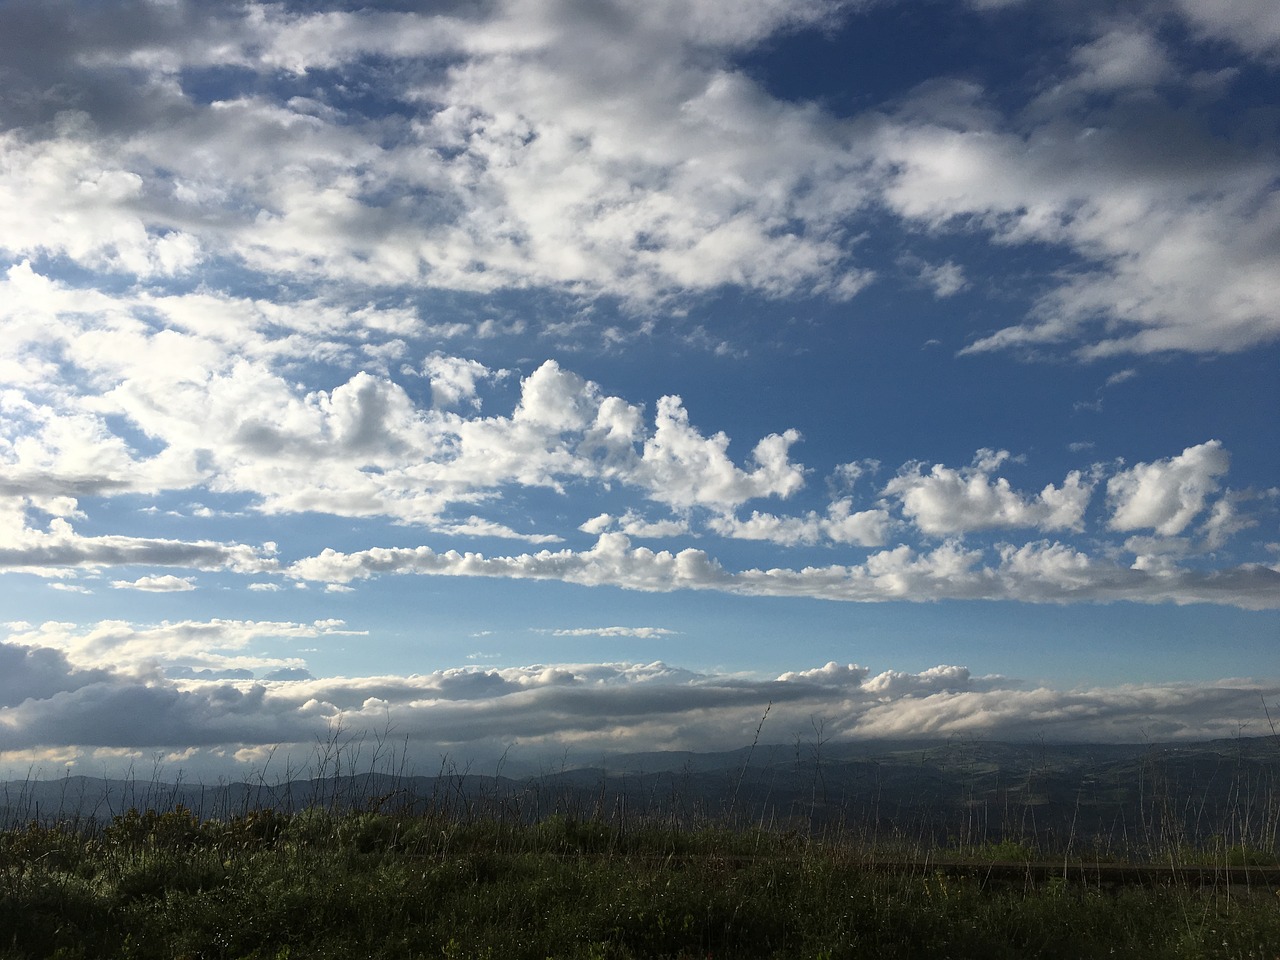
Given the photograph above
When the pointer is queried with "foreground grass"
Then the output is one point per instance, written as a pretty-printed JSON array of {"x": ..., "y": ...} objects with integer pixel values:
[{"x": 319, "y": 885}]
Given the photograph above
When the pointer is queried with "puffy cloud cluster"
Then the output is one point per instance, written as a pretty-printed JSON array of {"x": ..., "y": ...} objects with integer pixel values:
[
  {"x": 204, "y": 385},
  {"x": 947, "y": 501},
  {"x": 1168, "y": 494},
  {"x": 218, "y": 410},
  {"x": 617, "y": 152}
]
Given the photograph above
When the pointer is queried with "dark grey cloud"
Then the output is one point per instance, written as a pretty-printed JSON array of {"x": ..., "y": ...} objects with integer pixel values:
[
  {"x": 61, "y": 55},
  {"x": 39, "y": 673},
  {"x": 126, "y": 713},
  {"x": 123, "y": 551}
]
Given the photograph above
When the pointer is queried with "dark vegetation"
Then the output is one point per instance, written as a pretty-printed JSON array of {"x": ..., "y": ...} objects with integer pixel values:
[{"x": 959, "y": 851}]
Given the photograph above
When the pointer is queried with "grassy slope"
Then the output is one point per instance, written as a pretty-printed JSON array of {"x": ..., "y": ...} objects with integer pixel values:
[{"x": 314, "y": 884}]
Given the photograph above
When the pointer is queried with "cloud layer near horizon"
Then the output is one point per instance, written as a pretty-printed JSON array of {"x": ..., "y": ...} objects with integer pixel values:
[{"x": 73, "y": 696}]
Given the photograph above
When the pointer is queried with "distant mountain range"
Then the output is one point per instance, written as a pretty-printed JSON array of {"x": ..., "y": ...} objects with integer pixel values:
[{"x": 967, "y": 790}]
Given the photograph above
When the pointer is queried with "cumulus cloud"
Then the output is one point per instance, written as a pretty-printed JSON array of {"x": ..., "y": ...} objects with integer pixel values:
[
  {"x": 635, "y": 525},
  {"x": 69, "y": 587},
  {"x": 841, "y": 524},
  {"x": 1166, "y": 495},
  {"x": 1173, "y": 250},
  {"x": 228, "y": 420},
  {"x": 246, "y": 295},
  {"x": 519, "y": 137},
  {"x": 947, "y": 501},
  {"x": 1124, "y": 58},
  {"x": 683, "y": 469},
  {"x": 40, "y": 672},
  {"x": 207, "y": 386},
  {"x": 1224, "y": 521},
  {"x": 453, "y": 379}
]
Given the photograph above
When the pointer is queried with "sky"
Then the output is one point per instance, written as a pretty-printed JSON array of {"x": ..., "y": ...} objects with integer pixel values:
[{"x": 553, "y": 379}]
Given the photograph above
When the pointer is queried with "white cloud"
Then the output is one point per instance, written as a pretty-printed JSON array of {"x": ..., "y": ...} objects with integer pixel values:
[
  {"x": 1253, "y": 25},
  {"x": 947, "y": 501},
  {"x": 1177, "y": 248},
  {"x": 619, "y": 156},
  {"x": 865, "y": 528},
  {"x": 625, "y": 154},
  {"x": 787, "y": 531},
  {"x": 173, "y": 648},
  {"x": 618, "y": 153},
  {"x": 167, "y": 583},
  {"x": 832, "y": 673},
  {"x": 597, "y": 524},
  {"x": 636, "y": 526},
  {"x": 453, "y": 379},
  {"x": 1124, "y": 58},
  {"x": 947, "y": 279},
  {"x": 69, "y": 587},
  {"x": 643, "y": 633},
  {"x": 684, "y": 469},
  {"x": 216, "y": 398},
  {"x": 1166, "y": 495},
  {"x": 1225, "y": 521}
]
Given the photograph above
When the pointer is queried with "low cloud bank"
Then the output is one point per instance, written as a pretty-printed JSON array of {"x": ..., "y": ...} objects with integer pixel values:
[{"x": 64, "y": 706}]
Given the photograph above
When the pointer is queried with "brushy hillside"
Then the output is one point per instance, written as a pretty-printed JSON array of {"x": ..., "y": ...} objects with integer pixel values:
[
  {"x": 319, "y": 884},
  {"x": 956, "y": 850}
]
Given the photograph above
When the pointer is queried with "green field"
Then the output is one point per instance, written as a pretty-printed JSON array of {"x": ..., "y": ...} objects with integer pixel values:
[{"x": 445, "y": 884}]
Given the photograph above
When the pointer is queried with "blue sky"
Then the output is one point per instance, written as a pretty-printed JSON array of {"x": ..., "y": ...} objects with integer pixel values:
[{"x": 568, "y": 378}]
